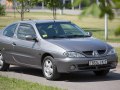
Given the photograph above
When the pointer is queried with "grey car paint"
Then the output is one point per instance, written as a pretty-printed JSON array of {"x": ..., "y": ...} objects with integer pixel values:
[{"x": 30, "y": 53}]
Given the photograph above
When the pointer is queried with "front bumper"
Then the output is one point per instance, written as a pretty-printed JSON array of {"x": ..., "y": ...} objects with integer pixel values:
[{"x": 82, "y": 64}]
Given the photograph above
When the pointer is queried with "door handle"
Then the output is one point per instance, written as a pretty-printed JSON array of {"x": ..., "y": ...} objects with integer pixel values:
[{"x": 14, "y": 44}]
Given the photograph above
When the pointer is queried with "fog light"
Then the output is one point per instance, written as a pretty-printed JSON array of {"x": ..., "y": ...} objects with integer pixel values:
[
  {"x": 114, "y": 64},
  {"x": 72, "y": 67}
]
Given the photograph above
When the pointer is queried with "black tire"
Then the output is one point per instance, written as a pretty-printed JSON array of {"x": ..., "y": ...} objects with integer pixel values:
[
  {"x": 3, "y": 65},
  {"x": 55, "y": 75},
  {"x": 101, "y": 72}
]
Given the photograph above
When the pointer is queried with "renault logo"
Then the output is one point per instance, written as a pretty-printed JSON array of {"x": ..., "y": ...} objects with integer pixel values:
[{"x": 95, "y": 53}]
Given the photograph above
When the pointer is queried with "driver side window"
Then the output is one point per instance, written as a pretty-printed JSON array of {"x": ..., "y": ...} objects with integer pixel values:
[{"x": 24, "y": 30}]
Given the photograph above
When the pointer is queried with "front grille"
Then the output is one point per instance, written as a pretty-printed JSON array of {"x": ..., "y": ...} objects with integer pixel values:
[
  {"x": 90, "y": 53},
  {"x": 101, "y": 51}
]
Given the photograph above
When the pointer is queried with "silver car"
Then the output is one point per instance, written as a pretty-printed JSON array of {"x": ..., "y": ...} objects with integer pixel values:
[{"x": 55, "y": 47}]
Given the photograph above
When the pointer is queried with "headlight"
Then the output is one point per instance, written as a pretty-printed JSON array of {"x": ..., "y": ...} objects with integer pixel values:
[
  {"x": 112, "y": 51},
  {"x": 73, "y": 54}
]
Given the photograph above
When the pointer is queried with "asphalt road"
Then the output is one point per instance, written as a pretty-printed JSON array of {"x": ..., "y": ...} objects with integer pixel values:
[
  {"x": 114, "y": 44},
  {"x": 79, "y": 81}
]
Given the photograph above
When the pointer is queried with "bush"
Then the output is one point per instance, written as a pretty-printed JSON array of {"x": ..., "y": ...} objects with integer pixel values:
[
  {"x": 117, "y": 31},
  {"x": 2, "y": 10}
]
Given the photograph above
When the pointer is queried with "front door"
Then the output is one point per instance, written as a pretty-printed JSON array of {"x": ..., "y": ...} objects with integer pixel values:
[{"x": 26, "y": 52}]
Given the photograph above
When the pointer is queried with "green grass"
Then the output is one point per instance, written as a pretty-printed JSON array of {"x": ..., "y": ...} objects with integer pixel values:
[
  {"x": 14, "y": 84},
  {"x": 92, "y": 24},
  {"x": 118, "y": 53}
]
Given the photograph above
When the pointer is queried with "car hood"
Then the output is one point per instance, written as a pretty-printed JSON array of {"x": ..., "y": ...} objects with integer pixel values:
[{"x": 80, "y": 44}]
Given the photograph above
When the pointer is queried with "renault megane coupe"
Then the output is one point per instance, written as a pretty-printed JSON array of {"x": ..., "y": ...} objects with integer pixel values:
[{"x": 55, "y": 46}]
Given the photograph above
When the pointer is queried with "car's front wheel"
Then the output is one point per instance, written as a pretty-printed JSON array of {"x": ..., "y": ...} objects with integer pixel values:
[
  {"x": 49, "y": 69},
  {"x": 3, "y": 66},
  {"x": 101, "y": 72}
]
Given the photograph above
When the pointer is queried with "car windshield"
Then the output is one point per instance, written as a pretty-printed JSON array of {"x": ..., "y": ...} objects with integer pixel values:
[{"x": 60, "y": 30}]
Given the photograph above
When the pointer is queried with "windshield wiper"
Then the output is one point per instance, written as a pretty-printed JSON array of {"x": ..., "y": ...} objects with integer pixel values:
[
  {"x": 67, "y": 36},
  {"x": 54, "y": 37},
  {"x": 75, "y": 36}
]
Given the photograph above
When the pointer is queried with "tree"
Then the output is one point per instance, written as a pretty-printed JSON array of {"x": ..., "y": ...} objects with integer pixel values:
[
  {"x": 116, "y": 5},
  {"x": 103, "y": 8},
  {"x": 2, "y": 10},
  {"x": 24, "y": 5},
  {"x": 53, "y": 4}
]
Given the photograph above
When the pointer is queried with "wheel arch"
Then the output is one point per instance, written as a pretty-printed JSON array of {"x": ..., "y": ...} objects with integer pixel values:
[{"x": 45, "y": 55}]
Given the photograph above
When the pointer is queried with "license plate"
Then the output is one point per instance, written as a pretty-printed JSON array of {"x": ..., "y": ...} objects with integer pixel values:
[{"x": 98, "y": 62}]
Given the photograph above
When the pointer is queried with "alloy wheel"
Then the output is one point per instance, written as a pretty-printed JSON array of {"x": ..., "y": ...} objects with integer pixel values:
[
  {"x": 1, "y": 61},
  {"x": 48, "y": 68}
]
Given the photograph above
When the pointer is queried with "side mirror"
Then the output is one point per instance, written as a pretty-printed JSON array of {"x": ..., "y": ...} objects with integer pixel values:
[
  {"x": 89, "y": 33},
  {"x": 31, "y": 38}
]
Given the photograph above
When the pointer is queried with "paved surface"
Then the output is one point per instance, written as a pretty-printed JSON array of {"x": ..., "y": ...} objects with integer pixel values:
[
  {"x": 79, "y": 81},
  {"x": 115, "y": 44}
]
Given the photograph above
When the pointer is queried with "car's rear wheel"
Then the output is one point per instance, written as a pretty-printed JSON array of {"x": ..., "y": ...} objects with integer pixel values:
[
  {"x": 3, "y": 66},
  {"x": 49, "y": 69},
  {"x": 101, "y": 72}
]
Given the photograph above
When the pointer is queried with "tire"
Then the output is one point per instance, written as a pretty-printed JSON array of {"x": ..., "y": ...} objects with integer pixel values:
[
  {"x": 101, "y": 72},
  {"x": 3, "y": 66},
  {"x": 49, "y": 69}
]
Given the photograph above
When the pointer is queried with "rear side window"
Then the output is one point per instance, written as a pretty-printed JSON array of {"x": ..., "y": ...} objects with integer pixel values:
[{"x": 9, "y": 31}]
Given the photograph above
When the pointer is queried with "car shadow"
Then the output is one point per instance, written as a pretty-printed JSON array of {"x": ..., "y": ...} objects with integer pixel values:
[
  {"x": 71, "y": 77},
  {"x": 26, "y": 70},
  {"x": 90, "y": 77}
]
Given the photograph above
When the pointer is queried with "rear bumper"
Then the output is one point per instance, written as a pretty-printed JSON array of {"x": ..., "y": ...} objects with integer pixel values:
[{"x": 64, "y": 65}]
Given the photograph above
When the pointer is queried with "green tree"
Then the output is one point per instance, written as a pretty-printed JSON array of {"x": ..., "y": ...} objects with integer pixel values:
[
  {"x": 53, "y": 4},
  {"x": 2, "y": 10},
  {"x": 116, "y": 4},
  {"x": 24, "y": 6},
  {"x": 103, "y": 8}
]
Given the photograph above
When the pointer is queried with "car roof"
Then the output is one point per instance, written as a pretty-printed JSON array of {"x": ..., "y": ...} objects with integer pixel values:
[{"x": 42, "y": 21}]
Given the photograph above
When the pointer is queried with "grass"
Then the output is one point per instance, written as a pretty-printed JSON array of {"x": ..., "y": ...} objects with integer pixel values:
[
  {"x": 14, "y": 84},
  {"x": 118, "y": 53}
]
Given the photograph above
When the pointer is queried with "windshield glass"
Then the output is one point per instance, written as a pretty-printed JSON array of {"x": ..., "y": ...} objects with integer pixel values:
[{"x": 60, "y": 30}]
